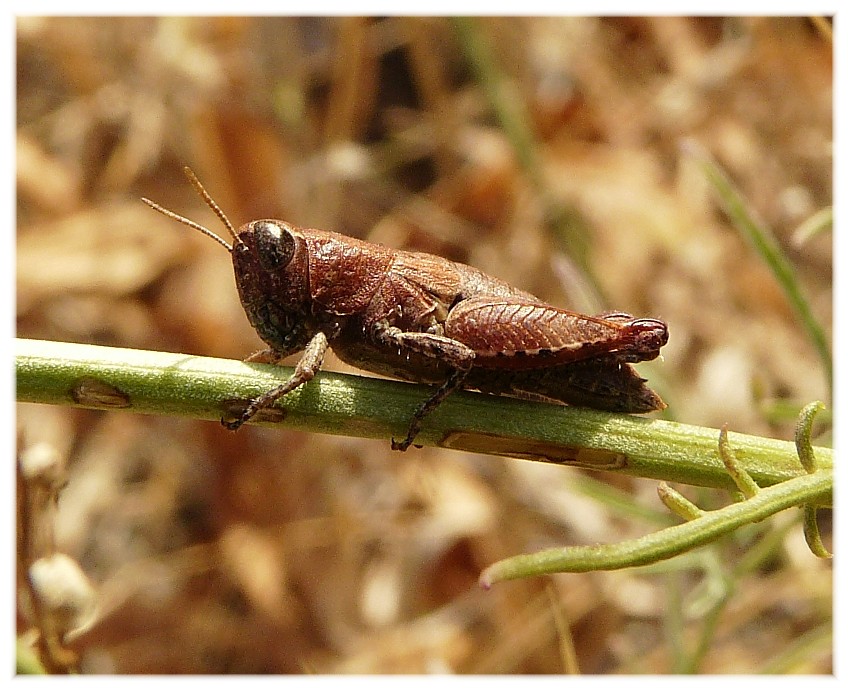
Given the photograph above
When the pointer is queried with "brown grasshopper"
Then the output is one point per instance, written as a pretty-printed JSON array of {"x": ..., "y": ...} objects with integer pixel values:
[{"x": 426, "y": 319}]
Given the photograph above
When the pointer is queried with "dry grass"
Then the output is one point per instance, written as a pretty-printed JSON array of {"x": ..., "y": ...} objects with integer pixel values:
[{"x": 283, "y": 552}]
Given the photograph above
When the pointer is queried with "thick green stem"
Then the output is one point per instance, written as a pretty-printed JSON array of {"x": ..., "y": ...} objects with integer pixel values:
[{"x": 163, "y": 383}]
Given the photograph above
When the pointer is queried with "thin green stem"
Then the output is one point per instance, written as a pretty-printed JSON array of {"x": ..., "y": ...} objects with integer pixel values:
[
  {"x": 762, "y": 550},
  {"x": 803, "y": 432},
  {"x": 744, "y": 482},
  {"x": 507, "y": 106},
  {"x": 668, "y": 542},
  {"x": 796, "y": 656},
  {"x": 812, "y": 534},
  {"x": 677, "y": 503},
  {"x": 673, "y": 621},
  {"x": 763, "y": 241},
  {"x": 820, "y": 222},
  {"x": 507, "y": 103}
]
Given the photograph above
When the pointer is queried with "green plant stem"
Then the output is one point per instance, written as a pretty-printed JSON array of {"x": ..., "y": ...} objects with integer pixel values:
[
  {"x": 564, "y": 221},
  {"x": 796, "y": 657},
  {"x": 668, "y": 542},
  {"x": 769, "y": 542},
  {"x": 204, "y": 388},
  {"x": 762, "y": 239},
  {"x": 820, "y": 222},
  {"x": 803, "y": 431},
  {"x": 508, "y": 108}
]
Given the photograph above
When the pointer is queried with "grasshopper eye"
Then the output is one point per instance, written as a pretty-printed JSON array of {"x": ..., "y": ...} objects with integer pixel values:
[{"x": 274, "y": 244}]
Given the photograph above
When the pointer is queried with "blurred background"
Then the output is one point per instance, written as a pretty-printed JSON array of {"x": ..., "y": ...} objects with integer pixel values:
[{"x": 284, "y": 552}]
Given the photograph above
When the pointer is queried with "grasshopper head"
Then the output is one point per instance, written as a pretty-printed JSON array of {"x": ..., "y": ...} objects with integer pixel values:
[{"x": 270, "y": 262}]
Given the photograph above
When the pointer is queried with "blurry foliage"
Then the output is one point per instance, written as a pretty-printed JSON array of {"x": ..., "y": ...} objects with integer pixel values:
[{"x": 287, "y": 552}]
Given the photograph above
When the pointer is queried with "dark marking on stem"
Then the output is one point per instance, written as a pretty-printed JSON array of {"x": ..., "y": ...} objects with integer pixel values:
[{"x": 92, "y": 392}]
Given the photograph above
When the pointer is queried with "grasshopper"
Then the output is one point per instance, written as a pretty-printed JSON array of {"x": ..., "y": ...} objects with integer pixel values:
[{"x": 423, "y": 318}]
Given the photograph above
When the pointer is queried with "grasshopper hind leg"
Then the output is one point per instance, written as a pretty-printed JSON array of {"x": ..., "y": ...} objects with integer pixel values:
[
  {"x": 456, "y": 355},
  {"x": 453, "y": 382}
]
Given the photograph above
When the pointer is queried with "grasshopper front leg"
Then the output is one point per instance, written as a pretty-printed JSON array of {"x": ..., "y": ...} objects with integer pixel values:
[{"x": 304, "y": 371}]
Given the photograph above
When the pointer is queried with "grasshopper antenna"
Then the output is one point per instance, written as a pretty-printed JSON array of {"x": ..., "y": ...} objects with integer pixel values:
[{"x": 210, "y": 202}]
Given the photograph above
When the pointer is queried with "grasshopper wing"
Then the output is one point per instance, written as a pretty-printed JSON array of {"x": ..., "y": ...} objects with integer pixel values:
[{"x": 510, "y": 333}]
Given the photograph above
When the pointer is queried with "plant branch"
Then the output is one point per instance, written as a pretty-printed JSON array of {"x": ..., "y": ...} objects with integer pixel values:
[
  {"x": 668, "y": 542},
  {"x": 204, "y": 388}
]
